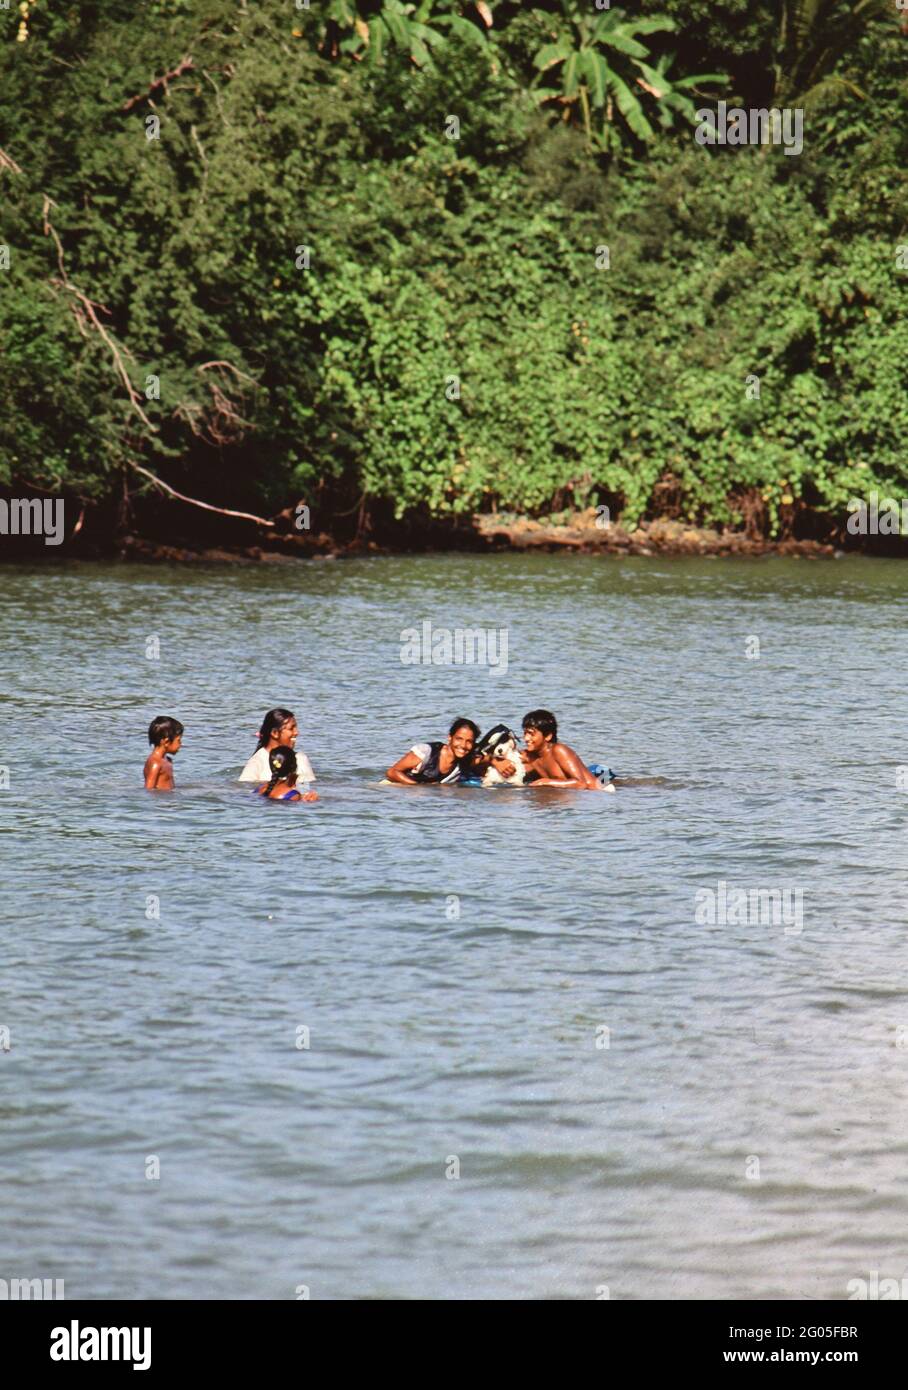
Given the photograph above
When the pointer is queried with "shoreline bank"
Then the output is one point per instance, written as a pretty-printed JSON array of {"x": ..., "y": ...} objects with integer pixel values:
[
  {"x": 581, "y": 532},
  {"x": 490, "y": 534}
]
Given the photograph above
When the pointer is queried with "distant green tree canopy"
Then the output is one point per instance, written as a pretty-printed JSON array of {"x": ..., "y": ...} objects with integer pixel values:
[{"x": 450, "y": 256}]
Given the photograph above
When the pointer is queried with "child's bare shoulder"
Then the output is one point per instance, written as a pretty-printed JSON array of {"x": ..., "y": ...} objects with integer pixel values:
[
  {"x": 565, "y": 755},
  {"x": 158, "y": 771}
]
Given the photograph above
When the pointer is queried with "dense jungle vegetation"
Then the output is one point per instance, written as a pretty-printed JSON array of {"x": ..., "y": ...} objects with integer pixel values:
[{"x": 422, "y": 260}]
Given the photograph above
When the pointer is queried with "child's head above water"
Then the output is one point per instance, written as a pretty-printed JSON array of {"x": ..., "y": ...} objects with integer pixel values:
[
  {"x": 282, "y": 762},
  {"x": 165, "y": 730},
  {"x": 280, "y": 724},
  {"x": 543, "y": 721},
  {"x": 462, "y": 735}
]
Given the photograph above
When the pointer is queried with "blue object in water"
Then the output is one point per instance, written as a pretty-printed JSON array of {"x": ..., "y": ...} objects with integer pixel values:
[{"x": 599, "y": 770}]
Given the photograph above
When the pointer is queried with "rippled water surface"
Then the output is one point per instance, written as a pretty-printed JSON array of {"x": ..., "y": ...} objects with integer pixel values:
[{"x": 742, "y": 1135}]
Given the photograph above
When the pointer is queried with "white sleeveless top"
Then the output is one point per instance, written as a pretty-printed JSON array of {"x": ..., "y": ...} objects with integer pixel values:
[{"x": 258, "y": 769}]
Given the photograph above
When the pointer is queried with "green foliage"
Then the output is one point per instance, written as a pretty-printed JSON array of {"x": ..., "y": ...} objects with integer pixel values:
[
  {"x": 814, "y": 36},
  {"x": 456, "y": 342},
  {"x": 370, "y": 29},
  {"x": 605, "y": 68},
  {"x": 735, "y": 37}
]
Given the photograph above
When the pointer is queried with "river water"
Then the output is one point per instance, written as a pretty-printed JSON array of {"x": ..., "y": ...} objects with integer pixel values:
[{"x": 539, "y": 1065}]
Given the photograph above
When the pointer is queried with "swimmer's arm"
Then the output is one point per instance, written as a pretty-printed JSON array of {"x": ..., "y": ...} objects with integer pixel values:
[
  {"x": 571, "y": 782},
  {"x": 402, "y": 768}
]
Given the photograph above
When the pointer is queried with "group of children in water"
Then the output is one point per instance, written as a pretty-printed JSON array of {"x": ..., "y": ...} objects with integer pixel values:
[
  {"x": 467, "y": 756},
  {"x": 277, "y": 765}
]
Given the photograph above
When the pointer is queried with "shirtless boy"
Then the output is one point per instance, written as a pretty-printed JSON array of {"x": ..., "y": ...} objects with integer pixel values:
[
  {"x": 165, "y": 736},
  {"x": 549, "y": 763}
]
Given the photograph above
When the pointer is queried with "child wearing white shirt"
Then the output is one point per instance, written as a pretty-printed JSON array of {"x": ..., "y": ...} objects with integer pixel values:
[{"x": 279, "y": 730}]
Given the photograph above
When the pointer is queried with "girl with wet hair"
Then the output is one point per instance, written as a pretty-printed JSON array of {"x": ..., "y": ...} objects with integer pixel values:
[
  {"x": 282, "y": 784},
  {"x": 279, "y": 730},
  {"x": 272, "y": 724},
  {"x": 437, "y": 762}
]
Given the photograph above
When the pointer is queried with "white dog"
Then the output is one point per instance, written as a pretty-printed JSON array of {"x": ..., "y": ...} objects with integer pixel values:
[{"x": 506, "y": 749}]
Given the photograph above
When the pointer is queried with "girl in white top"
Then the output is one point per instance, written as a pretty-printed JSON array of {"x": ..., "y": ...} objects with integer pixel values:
[{"x": 279, "y": 730}]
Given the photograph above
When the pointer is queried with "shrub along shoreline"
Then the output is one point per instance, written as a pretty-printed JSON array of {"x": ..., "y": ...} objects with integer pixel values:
[
  {"x": 257, "y": 259},
  {"x": 165, "y": 540}
]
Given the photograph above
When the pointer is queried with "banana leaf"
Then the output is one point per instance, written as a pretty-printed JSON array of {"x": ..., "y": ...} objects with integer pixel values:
[{"x": 630, "y": 108}]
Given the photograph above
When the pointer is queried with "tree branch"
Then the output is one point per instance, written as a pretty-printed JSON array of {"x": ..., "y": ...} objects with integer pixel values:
[
  {"x": 89, "y": 310},
  {"x": 204, "y": 367},
  {"x": 184, "y": 65},
  {"x": 193, "y": 501},
  {"x": 198, "y": 145},
  {"x": 7, "y": 162}
]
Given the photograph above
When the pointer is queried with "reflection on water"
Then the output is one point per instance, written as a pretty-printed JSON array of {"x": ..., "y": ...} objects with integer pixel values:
[{"x": 514, "y": 979}]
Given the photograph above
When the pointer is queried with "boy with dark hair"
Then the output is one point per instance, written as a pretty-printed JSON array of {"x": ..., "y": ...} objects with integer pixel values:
[
  {"x": 548, "y": 762},
  {"x": 165, "y": 736}
]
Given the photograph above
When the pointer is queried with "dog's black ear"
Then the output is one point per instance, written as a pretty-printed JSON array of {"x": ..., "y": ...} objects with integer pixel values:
[{"x": 495, "y": 736}]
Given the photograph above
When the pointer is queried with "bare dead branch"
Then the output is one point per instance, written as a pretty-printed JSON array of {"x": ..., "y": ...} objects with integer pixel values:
[
  {"x": 206, "y": 366},
  {"x": 193, "y": 501},
  {"x": 228, "y": 71},
  {"x": 89, "y": 310},
  {"x": 198, "y": 145},
  {"x": 222, "y": 423},
  {"x": 7, "y": 162},
  {"x": 184, "y": 65},
  {"x": 49, "y": 231},
  {"x": 233, "y": 426},
  {"x": 190, "y": 411},
  {"x": 80, "y": 319}
]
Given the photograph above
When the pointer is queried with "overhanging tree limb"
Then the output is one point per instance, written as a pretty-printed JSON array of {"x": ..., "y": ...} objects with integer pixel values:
[
  {"x": 194, "y": 502},
  {"x": 184, "y": 65},
  {"x": 86, "y": 308}
]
